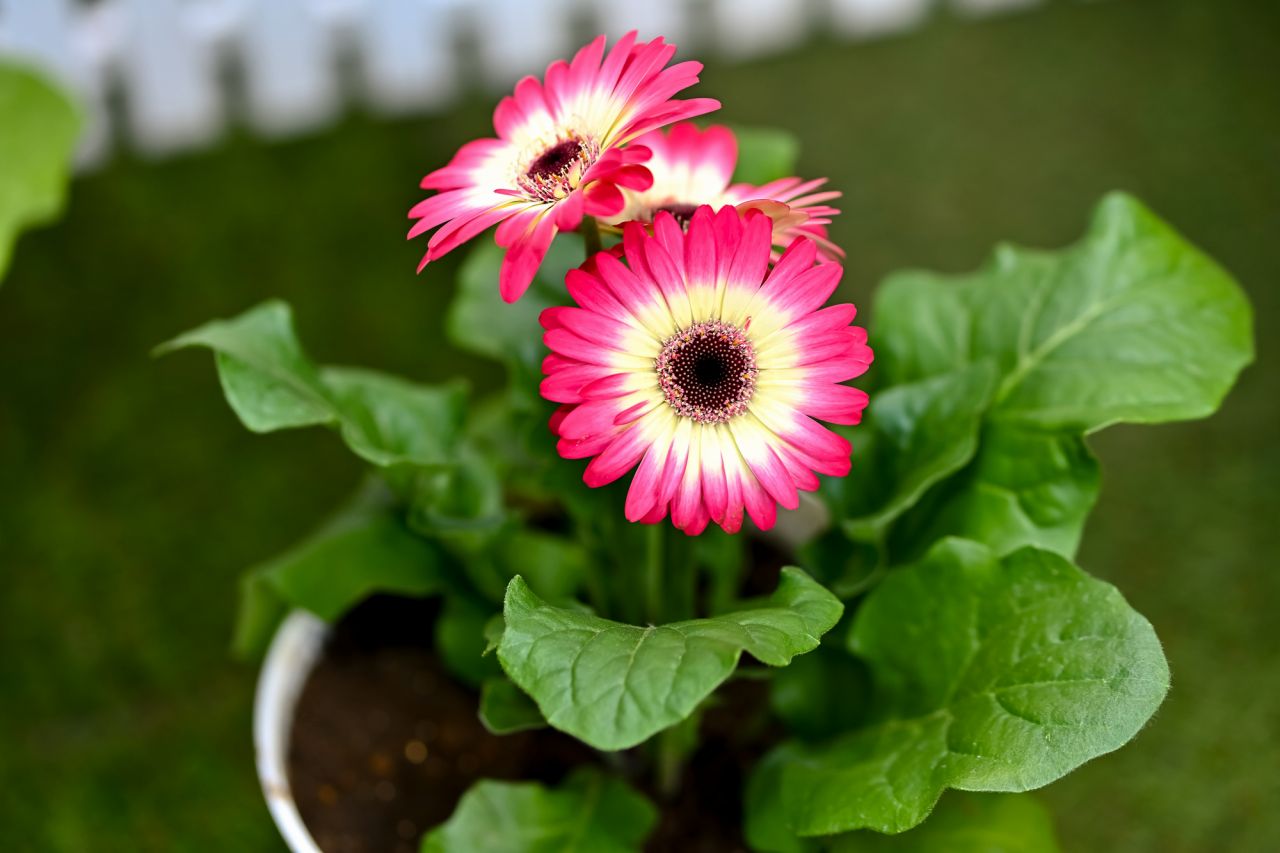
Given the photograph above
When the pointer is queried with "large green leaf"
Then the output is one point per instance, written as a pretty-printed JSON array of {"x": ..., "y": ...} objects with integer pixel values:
[
  {"x": 914, "y": 435},
  {"x": 1131, "y": 324},
  {"x": 1026, "y": 487},
  {"x": 365, "y": 549},
  {"x": 614, "y": 685},
  {"x": 966, "y": 823},
  {"x": 271, "y": 384},
  {"x": 40, "y": 129},
  {"x": 590, "y": 813},
  {"x": 991, "y": 675}
]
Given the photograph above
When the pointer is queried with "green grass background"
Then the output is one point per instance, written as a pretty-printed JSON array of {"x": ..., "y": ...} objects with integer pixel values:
[{"x": 132, "y": 499}]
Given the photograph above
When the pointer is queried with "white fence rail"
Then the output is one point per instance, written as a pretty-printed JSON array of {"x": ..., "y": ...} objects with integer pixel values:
[{"x": 183, "y": 70}]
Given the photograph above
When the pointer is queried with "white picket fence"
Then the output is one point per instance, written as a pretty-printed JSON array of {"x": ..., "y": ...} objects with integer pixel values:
[{"x": 171, "y": 75}]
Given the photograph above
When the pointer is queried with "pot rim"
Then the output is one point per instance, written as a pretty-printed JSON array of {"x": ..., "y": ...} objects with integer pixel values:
[{"x": 295, "y": 650}]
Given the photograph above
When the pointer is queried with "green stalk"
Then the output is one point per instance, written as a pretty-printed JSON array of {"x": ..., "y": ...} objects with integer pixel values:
[
  {"x": 654, "y": 569},
  {"x": 590, "y": 230}
]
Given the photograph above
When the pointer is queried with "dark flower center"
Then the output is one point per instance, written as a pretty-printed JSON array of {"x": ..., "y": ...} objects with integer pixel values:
[
  {"x": 683, "y": 213},
  {"x": 558, "y": 170},
  {"x": 708, "y": 371},
  {"x": 556, "y": 159}
]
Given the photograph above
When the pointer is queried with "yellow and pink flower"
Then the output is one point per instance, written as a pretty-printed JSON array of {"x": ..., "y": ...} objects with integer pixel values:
[
  {"x": 694, "y": 362},
  {"x": 692, "y": 167},
  {"x": 561, "y": 153}
]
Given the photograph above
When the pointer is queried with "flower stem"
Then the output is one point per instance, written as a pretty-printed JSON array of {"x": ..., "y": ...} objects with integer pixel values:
[
  {"x": 655, "y": 567},
  {"x": 590, "y": 230},
  {"x": 670, "y": 761}
]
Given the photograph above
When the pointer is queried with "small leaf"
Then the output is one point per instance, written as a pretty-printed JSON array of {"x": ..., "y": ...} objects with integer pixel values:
[
  {"x": 505, "y": 708},
  {"x": 41, "y": 125},
  {"x": 614, "y": 685},
  {"x": 389, "y": 421},
  {"x": 991, "y": 675},
  {"x": 271, "y": 384},
  {"x": 966, "y": 823},
  {"x": 1132, "y": 324},
  {"x": 479, "y": 321},
  {"x": 1026, "y": 487},
  {"x": 460, "y": 640},
  {"x": 553, "y": 565},
  {"x": 765, "y": 154},
  {"x": 590, "y": 813},
  {"x": 267, "y": 378},
  {"x": 365, "y": 549},
  {"x": 917, "y": 434},
  {"x": 463, "y": 503}
]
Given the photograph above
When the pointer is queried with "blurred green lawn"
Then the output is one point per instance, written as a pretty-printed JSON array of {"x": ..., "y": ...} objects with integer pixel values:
[{"x": 132, "y": 499}]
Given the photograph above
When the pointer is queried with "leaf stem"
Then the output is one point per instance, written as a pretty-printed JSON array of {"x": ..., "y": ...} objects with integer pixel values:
[{"x": 590, "y": 230}]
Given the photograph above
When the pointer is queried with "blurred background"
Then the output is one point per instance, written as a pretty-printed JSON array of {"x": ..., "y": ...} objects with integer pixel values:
[{"x": 239, "y": 150}]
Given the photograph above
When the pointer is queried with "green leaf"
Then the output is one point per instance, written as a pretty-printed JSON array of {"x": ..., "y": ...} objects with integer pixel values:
[
  {"x": 915, "y": 435},
  {"x": 553, "y": 565},
  {"x": 765, "y": 154},
  {"x": 1132, "y": 324},
  {"x": 1026, "y": 487},
  {"x": 463, "y": 503},
  {"x": 505, "y": 708},
  {"x": 271, "y": 384},
  {"x": 41, "y": 125},
  {"x": 267, "y": 378},
  {"x": 590, "y": 813},
  {"x": 966, "y": 823},
  {"x": 365, "y": 549},
  {"x": 614, "y": 685},
  {"x": 480, "y": 322},
  {"x": 460, "y": 640},
  {"x": 991, "y": 675},
  {"x": 389, "y": 421},
  {"x": 765, "y": 823},
  {"x": 819, "y": 695}
]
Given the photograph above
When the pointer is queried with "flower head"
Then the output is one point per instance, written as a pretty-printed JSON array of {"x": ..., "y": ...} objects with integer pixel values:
[
  {"x": 558, "y": 155},
  {"x": 704, "y": 370},
  {"x": 692, "y": 167}
]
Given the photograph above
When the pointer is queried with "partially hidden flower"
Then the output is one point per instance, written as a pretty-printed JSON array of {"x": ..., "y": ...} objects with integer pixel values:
[
  {"x": 559, "y": 154},
  {"x": 705, "y": 370},
  {"x": 692, "y": 167}
]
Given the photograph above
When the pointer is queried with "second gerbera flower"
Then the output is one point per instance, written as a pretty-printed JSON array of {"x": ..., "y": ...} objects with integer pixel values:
[
  {"x": 704, "y": 370},
  {"x": 558, "y": 154}
]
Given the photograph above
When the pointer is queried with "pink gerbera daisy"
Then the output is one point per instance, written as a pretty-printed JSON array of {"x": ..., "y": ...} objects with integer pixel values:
[
  {"x": 692, "y": 167},
  {"x": 558, "y": 155},
  {"x": 696, "y": 364}
]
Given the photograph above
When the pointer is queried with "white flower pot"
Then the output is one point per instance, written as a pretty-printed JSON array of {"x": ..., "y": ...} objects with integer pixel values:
[{"x": 294, "y": 653}]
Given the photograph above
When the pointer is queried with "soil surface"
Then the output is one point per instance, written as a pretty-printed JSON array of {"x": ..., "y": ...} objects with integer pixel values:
[{"x": 386, "y": 741}]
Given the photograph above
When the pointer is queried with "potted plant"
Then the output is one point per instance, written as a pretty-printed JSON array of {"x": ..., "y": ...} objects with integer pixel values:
[{"x": 670, "y": 587}]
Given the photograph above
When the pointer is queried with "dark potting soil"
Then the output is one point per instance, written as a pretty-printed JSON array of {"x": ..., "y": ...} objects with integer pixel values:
[{"x": 385, "y": 742}]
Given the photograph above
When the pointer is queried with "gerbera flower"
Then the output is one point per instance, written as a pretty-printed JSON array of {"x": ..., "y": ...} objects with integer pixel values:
[
  {"x": 558, "y": 154},
  {"x": 692, "y": 167},
  {"x": 704, "y": 370}
]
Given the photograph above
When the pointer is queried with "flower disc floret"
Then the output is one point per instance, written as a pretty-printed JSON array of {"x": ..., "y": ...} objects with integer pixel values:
[{"x": 707, "y": 372}]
